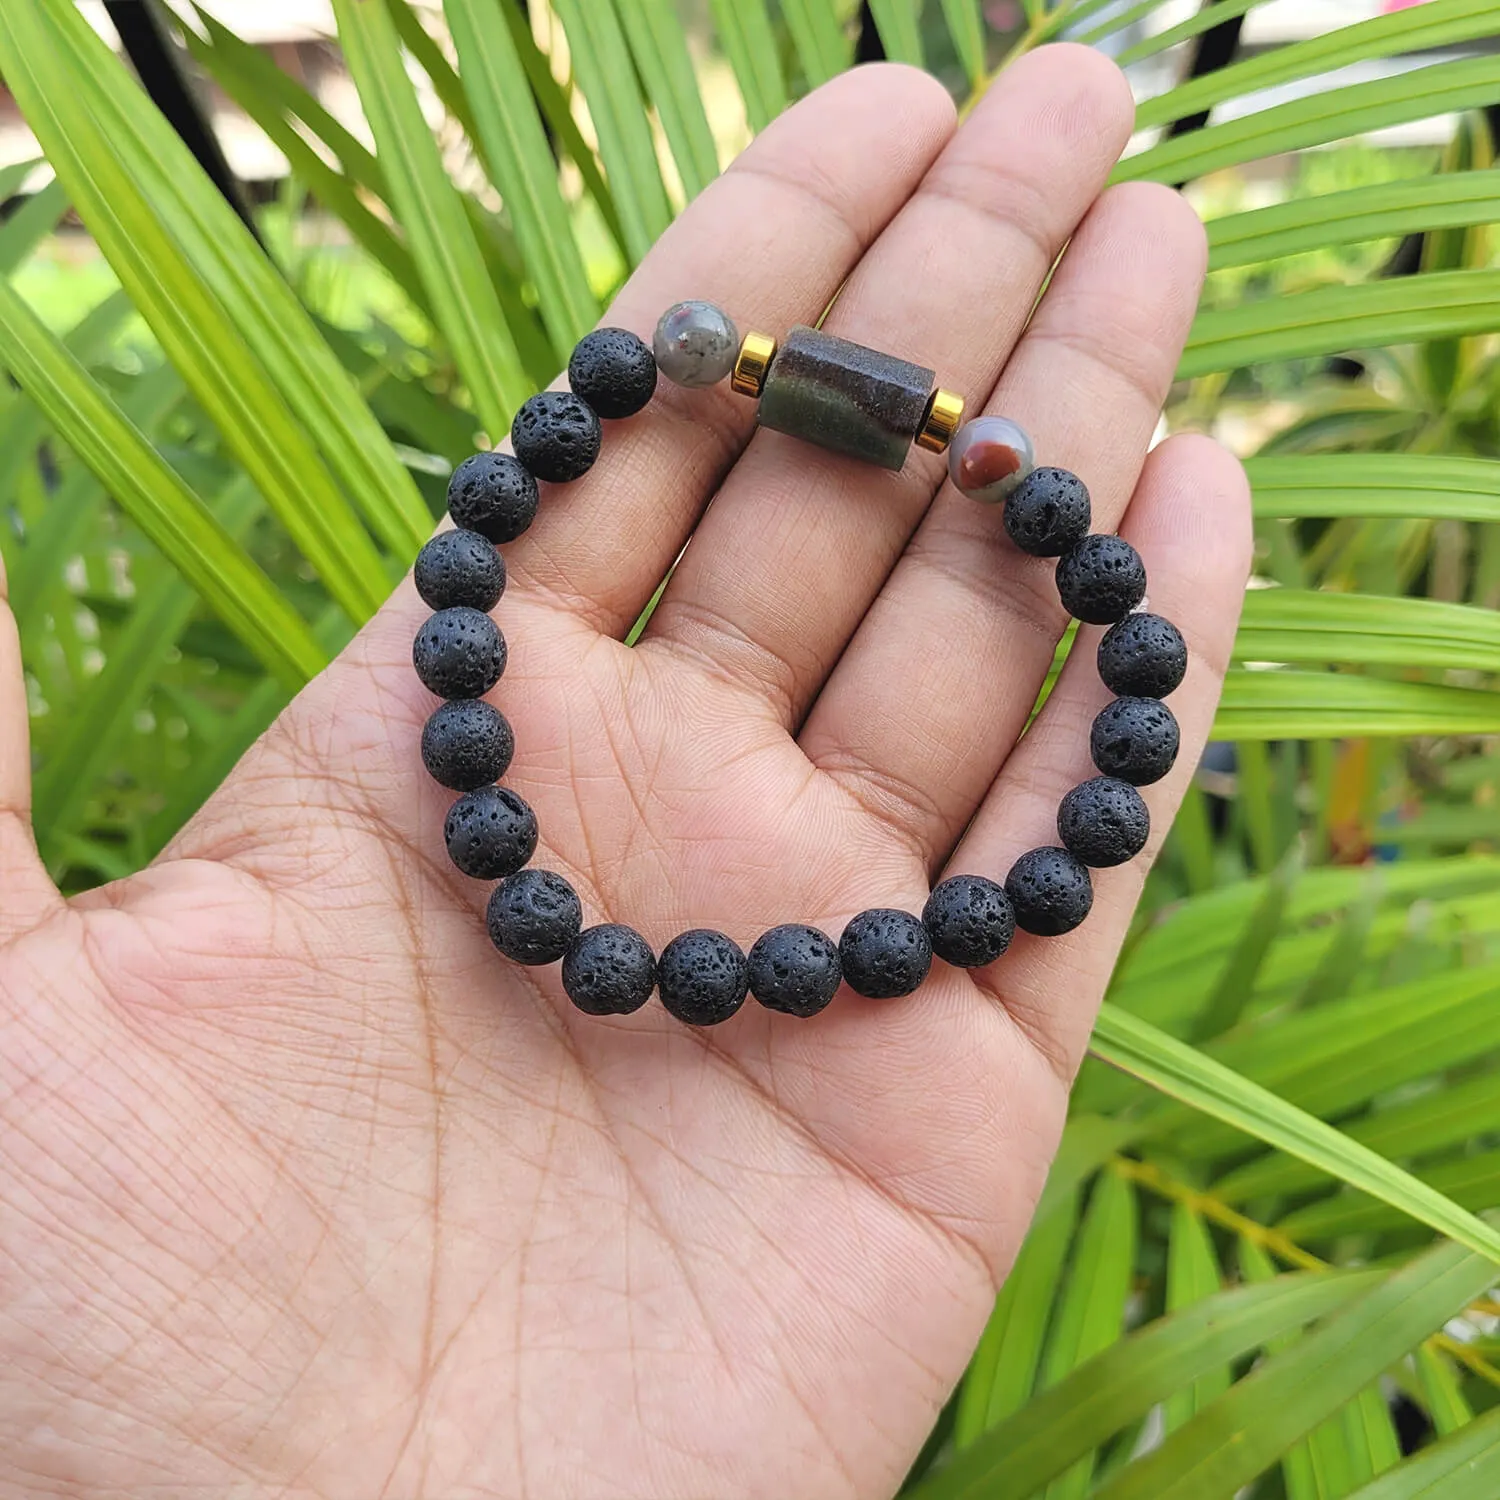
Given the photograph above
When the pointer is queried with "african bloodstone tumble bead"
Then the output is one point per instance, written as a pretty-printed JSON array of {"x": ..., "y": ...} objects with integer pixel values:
[
  {"x": 1103, "y": 822},
  {"x": 1144, "y": 656},
  {"x": 845, "y": 397},
  {"x": 695, "y": 344},
  {"x": 885, "y": 953},
  {"x": 467, "y": 743},
  {"x": 794, "y": 969},
  {"x": 1050, "y": 891},
  {"x": 1135, "y": 740},
  {"x": 533, "y": 917},
  {"x": 988, "y": 459},
  {"x": 702, "y": 976},
  {"x": 609, "y": 971},
  {"x": 490, "y": 832},
  {"x": 969, "y": 920}
]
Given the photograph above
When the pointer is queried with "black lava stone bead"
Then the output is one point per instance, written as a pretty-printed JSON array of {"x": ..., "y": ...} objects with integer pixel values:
[
  {"x": 885, "y": 953},
  {"x": 1050, "y": 891},
  {"x": 459, "y": 567},
  {"x": 1143, "y": 656},
  {"x": 609, "y": 970},
  {"x": 969, "y": 920},
  {"x": 1101, "y": 579},
  {"x": 534, "y": 916},
  {"x": 490, "y": 833},
  {"x": 794, "y": 969},
  {"x": 466, "y": 744},
  {"x": 702, "y": 976},
  {"x": 493, "y": 494},
  {"x": 1135, "y": 740},
  {"x": 459, "y": 653},
  {"x": 1103, "y": 822},
  {"x": 614, "y": 371},
  {"x": 1048, "y": 512},
  {"x": 556, "y": 435}
]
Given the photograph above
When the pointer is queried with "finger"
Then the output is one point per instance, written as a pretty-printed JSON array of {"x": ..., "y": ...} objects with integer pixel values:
[
  {"x": 1190, "y": 521},
  {"x": 769, "y": 241},
  {"x": 917, "y": 732},
  {"x": 27, "y": 894},
  {"x": 799, "y": 540}
]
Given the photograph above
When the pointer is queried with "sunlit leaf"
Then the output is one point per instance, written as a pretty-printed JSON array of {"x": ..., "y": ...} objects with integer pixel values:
[
  {"x": 156, "y": 499},
  {"x": 442, "y": 239},
  {"x": 1241, "y": 1434},
  {"x": 1208, "y": 1086}
]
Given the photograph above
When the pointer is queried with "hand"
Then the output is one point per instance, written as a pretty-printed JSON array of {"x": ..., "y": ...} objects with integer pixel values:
[{"x": 306, "y": 1192}]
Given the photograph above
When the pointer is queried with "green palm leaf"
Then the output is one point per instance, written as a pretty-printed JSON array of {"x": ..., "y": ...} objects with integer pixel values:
[
  {"x": 265, "y": 315},
  {"x": 1245, "y": 1431},
  {"x": 1208, "y": 1086},
  {"x": 157, "y": 500},
  {"x": 442, "y": 239}
]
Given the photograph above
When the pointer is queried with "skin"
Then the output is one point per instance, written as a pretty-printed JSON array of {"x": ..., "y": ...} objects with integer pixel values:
[{"x": 305, "y": 1192}]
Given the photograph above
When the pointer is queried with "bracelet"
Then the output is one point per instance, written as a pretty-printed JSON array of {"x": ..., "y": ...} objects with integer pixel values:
[{"x": 852, "y": 400}]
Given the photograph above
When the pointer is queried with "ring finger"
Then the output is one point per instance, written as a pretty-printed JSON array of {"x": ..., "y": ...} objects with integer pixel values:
[{"x": 937, "y": 684}]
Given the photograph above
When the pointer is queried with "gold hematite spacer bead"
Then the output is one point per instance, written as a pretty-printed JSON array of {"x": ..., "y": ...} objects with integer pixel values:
[
  {"x": 756, "y": 353},
  {"x": 940, "y": 421}
]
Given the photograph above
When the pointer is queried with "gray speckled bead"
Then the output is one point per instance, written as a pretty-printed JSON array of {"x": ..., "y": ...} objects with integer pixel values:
[
  {"x": 988, "y": 458},
  {"x": 695, "y": 344}
]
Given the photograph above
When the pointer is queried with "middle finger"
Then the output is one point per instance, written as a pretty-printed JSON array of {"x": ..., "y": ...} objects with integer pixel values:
[{"x": 798, "y": 540}]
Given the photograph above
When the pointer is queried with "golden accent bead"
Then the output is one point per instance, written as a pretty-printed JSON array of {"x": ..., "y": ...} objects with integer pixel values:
[
  {"x": 940, "y": 421},
  {"x": 757, "y": 350}
]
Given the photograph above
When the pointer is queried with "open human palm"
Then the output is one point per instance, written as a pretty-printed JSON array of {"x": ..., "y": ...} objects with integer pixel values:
[{"x": 307, "y": 1192}]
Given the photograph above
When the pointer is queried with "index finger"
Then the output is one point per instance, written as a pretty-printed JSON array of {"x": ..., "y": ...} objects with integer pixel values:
[{"x": 770, "y": 242}]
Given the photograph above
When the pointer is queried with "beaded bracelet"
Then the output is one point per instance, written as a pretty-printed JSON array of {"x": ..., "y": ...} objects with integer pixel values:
[{"x": 852, "y": 400}]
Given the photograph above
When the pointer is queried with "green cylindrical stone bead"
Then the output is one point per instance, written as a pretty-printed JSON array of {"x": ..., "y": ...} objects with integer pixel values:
[{"x": 840, "y": 395}]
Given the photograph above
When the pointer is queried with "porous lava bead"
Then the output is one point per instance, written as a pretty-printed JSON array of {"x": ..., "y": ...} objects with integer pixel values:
[
  {"x": 556, "y": 435},
  {"x": 969, "y": 921},
  {"x": 459, "y": 653},
  {"x": 533, "y": 917},
  {"x": 1143, "y": 656},
  {"x": 1135, "y": 740},
  {"x": 1048, "y": 512},
  {"x": 702, "y": 976},
  {"x": 1050, "y": 891},
  {"x": 467, "y": 744},
  {"x": 613, "y": 371},
  {"x": 490, "y": 833},
  {"x": 1101, "y": 579},
  {"x": 610, "y": 970},
  {"x": 493, "y": 494},
  {"x": 885, "y": 953},
  {"x": 794, "y": 969},
  {"x": 1103, "y": 822},
  {"x": 459, "y": 567}
]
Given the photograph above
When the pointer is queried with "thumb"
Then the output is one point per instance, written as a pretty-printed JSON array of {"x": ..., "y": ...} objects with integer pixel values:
[{"x": 27, "y": 894}]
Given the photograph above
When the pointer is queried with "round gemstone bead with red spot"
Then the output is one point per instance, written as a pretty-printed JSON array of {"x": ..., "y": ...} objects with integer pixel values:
[{"x": 988, "y": 458}]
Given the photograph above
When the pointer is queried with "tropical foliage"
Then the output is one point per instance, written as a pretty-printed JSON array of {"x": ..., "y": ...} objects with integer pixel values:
[{"x": 1261, "y": 1261}]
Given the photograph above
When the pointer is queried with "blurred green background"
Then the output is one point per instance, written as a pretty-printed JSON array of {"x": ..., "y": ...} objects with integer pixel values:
[{"x": 1258, "y": 1268}]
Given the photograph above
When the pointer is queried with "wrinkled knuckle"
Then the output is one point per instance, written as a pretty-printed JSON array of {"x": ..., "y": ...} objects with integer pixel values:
[{"x": 999, "y": 193}]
